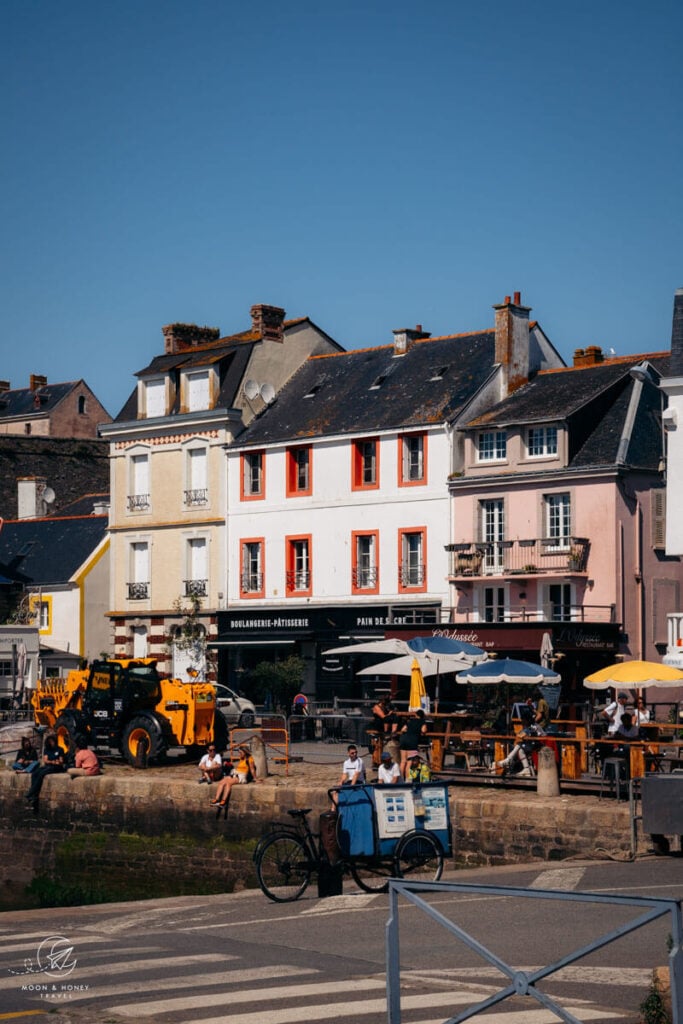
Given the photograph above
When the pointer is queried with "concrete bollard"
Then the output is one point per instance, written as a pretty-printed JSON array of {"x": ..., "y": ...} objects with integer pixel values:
[{"x": 548, "y": 782}]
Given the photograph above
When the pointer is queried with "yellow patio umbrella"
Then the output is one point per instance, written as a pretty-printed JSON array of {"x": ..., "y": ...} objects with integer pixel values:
[
  {"x": 418, "y": 691},
  {"x": 637, "y": 674}
]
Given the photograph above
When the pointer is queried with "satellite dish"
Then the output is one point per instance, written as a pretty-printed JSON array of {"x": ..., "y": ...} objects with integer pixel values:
[
  {"x": 267, "y": 393},
  {"x": 49, "y": 495},
  {"x": 251, "y": 389}
]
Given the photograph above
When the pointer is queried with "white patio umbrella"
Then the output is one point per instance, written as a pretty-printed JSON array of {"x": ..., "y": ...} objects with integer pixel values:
[
  {"x": 402, "y": 666},
  {"x": 440, "y": 647},
  {"x": 547, "y": 651}
]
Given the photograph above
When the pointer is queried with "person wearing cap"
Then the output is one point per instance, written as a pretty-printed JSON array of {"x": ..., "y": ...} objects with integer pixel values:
[
  {"x": 614, "y": 711},
  {"x": 418, "y": 770},
  {"x": 388, "y": 772}
]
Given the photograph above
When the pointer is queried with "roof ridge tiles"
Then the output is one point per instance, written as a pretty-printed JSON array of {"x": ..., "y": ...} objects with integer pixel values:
[
  {"x": 609, "y": 361},
  {"x": 390, "y": 345}
]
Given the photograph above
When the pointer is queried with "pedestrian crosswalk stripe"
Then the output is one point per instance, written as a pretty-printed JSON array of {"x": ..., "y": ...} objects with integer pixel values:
[
  {"x": 560, "y": 878},
  {"x": 87, "y": 974}
]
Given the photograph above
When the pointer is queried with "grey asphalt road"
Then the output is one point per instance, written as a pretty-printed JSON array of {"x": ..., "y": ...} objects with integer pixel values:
[{"x": 241, "y": 959}]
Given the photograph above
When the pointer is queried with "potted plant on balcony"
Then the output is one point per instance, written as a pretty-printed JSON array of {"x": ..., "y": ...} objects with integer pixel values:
[{"x": 575, "y": 558}]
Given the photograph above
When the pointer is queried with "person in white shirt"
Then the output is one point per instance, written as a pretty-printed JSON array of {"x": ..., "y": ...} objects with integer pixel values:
[
  {"x": 388, "y": 772},
  {"x": 353, "y": 770},
  {"x": 641, "y": 716},
  {"x": 614, "y": 711},
  {"x": 211, "y": 765}
]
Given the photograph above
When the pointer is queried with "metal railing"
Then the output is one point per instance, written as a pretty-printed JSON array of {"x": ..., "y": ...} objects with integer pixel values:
[
  {"x": 138, "y": 591},
  {"x": 519, "y": 982},
  {"x": 138, "y": 502},
  {"x": 534, "y": 557},
  {"x": 546, "y": 612}
]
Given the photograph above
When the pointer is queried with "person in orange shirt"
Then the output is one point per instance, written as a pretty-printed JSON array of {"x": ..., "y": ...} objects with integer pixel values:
[{"x": 87, "y": 762}]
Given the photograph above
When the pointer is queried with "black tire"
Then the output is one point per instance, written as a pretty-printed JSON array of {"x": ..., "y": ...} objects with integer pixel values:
[
  {"x": 419, "y": 857},
  {"x": 246, "y": 720},
  {"x": 283, "y": 867},
  {"x": 66, "y": 731},
  {"x": 142, "y": 741},
  {"x": 220, "y": 731},
  {"x": 372, "y": 874}
]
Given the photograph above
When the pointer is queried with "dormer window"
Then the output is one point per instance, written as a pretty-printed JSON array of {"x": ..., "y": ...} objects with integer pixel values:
[
  {"x": 155, "y": 397},
  {"x": 197, "y": 391},
  {"x": 492, "y": 446},
  {"x": 541, "y": 441}
]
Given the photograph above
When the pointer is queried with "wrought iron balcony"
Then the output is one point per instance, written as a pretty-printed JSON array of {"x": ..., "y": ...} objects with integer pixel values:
[
  {"x": 196, "y": 496},
  {"x": 535, "y": 557},
  {"x": 411, "y": 575},
  {"x": 196, "y": 588},
  {"x": 298, "y": 579},
  {"x": 138, "y": 502},
  {"x": 364, "y": 578},
  {"x": 251, "y": 582},
  {"x": 138, "y": 591}
]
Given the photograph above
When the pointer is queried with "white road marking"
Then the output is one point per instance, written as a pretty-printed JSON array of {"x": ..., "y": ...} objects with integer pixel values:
[
  {"x": 83, "y": 974},
  {"x": 332, "y": 904},
  {"x": 561, "y": 878}
]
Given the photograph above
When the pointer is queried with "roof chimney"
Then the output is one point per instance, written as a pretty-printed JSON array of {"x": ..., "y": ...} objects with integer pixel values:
[
  {"x": 512, "y": 342},
  {"x": 36, "y": 380},
  {"x": 405, "y": 336},
  {"x": 180, "y": 337},
  {"x": 267, "y": 321},
  {"x": 590, "y": 356},
  {"x": 677, "y": 335},
  {"x": 4, "y": 385}
]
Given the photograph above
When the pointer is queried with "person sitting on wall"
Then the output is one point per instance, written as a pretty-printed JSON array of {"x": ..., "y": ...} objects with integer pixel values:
[
  {"x": 211, "y": 765},
  {"x": 26, "y": 758},
  {"x": 388, "y": 772},
  {"x": 242, "y": 773},
  {"x": 383, "y": 718},
  {"x": 51, "y": 763},
  {"x": 86, "y": 761},
  {"x": 518, "y": 753},
  {"x": 418, "y": 770}
]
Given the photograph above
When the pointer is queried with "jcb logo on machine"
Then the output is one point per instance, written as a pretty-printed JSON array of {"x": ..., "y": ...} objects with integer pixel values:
[
  {"x": 101, "y": 714},
  {"x": 100, "y": 681}
]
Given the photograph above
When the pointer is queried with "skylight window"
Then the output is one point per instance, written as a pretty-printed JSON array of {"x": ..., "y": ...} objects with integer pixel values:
[
  {"x": 316, "y": 387},
  {"x": 440, "y": 373}
]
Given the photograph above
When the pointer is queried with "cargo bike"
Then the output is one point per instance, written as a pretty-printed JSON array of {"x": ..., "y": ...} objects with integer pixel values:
[{"x": 376, "y": 833}]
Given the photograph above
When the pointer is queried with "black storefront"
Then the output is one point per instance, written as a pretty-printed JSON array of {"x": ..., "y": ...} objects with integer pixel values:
[{"x": 247, "y": 637}]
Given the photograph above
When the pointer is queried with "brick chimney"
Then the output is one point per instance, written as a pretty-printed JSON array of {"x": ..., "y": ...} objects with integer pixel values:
[
  {"x": 677, "y": 335},
  {"x": 180, "y": 337},
  {"x": 4, "y": 386},
  {"x": 267, "y": 321},
  {"x": 512, "y": 342},
  {"x": 405, "y": 336},
  {"x": 37, "y": 380},
  {"x": 590, "y": 356}
]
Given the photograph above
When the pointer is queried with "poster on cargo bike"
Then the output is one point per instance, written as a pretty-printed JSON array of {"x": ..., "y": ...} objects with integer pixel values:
[{"x": 395, "y": 811}]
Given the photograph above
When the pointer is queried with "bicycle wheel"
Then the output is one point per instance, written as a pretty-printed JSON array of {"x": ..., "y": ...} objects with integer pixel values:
[
  {"x": 372, "y": 874},
  {"x": 283, "y": 867},
  {"x": 419, "y": 857}
]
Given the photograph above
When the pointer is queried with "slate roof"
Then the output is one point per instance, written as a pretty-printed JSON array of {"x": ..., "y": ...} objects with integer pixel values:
[
  {"x": 593, "y": 401},
  {"x": 24, "y": 402},
  {"x": 232, "y": 352},
  {"x": 367, "y": 390},
  {"x": 71, "y": 466},
  {"x": 46, "y": 552}
]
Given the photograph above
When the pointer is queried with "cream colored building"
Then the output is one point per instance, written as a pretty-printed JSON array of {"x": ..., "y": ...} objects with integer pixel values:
[{"x": 169, "y": 508}]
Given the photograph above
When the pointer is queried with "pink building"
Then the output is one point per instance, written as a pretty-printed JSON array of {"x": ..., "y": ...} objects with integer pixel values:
[{"x": 558, "y": 510}]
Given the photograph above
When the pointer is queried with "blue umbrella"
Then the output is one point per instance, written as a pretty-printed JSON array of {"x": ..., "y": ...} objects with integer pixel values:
[
  {"x": 508, "y": 670},
  {"x": 447, "y": 647}
]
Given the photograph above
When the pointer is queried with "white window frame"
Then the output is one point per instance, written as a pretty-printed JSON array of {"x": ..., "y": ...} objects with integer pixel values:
[
  {"x": 557, "y": 512},
  {"x": 252, "y": 567},
  {"x": 413, "y": 457},
  {"x": 541, "y": 442},
  {"x": 253, "y": 473},
  {"x": 197, "y": 390},
  {"x": 139, "y": 494},
  {"x": 196, "y": 476},
  {"x": 492, "y": 446}
]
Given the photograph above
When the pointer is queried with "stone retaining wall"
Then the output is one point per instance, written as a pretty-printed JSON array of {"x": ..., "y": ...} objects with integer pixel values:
[{"x": 130, "y": 837}]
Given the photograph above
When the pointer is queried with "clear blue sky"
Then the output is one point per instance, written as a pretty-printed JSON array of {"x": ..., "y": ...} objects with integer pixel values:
[{"x": 369, "y": 163}]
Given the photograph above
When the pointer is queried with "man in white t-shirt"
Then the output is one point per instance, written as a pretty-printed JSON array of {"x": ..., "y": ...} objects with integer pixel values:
[
  {"x": 353, "y": 771},
  {"x": 614, "y": 711},
  {"x": 211, "y": 765},
  {"x": 388, "y": 772}
]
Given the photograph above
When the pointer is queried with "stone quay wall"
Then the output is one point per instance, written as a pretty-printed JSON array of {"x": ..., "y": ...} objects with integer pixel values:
[{"x": 136, "y": 836}]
